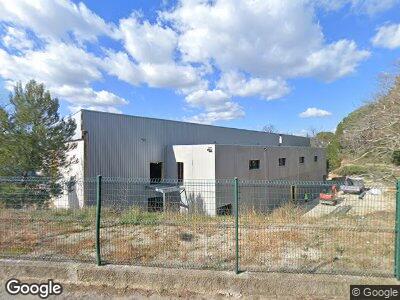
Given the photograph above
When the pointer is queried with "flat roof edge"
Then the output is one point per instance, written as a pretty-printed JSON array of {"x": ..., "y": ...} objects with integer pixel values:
[{"x": 191, "y": 123}]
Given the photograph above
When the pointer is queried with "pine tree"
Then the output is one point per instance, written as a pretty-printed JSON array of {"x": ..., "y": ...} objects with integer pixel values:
[
  {"x": 33, "y": 136},
  {"x": 34, "y": 139}
]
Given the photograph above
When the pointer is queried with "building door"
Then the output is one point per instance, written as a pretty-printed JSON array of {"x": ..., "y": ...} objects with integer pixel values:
[
  {"x": 180, "y": 171},
  {"x": 155, "y": 172}
]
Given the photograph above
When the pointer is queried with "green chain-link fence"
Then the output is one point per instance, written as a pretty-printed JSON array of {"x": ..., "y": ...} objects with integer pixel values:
[
  {"x": 33, "y": 228},
  {"x": 215, "y": 224}
]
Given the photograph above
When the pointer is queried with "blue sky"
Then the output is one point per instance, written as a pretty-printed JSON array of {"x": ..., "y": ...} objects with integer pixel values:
[{"x": 294, "y": 64}]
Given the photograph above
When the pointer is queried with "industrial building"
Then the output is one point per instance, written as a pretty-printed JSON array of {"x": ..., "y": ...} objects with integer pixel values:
[{"x": 155, "y": 151}]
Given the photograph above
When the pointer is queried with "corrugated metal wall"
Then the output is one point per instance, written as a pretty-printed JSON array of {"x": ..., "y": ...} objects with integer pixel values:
[
  {"x": 123, "y": 146},
  {"x": 233, "y": 161}
]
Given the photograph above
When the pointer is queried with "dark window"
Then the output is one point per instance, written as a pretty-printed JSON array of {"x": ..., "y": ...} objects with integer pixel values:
[
  {"x": 282, "y": 161},
  {"x": 155, "y": 172},
  {"x": 254, "y": 164},
  {"x": 301, "y": 159},
  {"x": 315, "y": 158},
  {"x": 180, "y": 171}
]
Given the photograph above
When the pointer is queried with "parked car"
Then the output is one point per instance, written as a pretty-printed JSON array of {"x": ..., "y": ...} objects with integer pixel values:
[{"x": 353, "y": 185}]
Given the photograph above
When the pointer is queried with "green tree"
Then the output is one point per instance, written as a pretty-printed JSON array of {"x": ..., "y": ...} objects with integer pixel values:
[
  {"x": 33, "y": 136},
  {"x": 329, "y": 141}
]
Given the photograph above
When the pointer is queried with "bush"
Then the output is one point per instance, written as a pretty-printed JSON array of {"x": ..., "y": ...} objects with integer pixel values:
[
  {"x": 19, "y": 195},
  {"x": 28, "y": 192},
  {"x": 396, "y": 157}
]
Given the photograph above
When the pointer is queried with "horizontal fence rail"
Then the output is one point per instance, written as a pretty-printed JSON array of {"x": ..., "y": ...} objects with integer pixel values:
[{"x": 238, "y": 225}]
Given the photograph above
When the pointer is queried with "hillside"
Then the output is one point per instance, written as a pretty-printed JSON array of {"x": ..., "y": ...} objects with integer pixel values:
[
  {"x": 373, "y": 131},
  {"x": 368, "y": 139}
]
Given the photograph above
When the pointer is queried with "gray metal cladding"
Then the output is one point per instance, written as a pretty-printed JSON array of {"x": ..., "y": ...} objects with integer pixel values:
[{"x": 122, "y": 145}]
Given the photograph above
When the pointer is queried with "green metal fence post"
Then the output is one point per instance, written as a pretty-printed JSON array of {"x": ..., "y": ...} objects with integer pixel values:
[
  {"x": 397, "y": 234},
  {"x": 236, "y": 196},
  {"x": 98, "y": 214}
]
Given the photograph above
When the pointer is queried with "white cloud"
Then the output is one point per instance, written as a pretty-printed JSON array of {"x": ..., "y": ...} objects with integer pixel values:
[
  {"x": 237, "y": 85},
  {"x": 55, "y": 19},
  {"x": 269, "y": 41},
  {"x": 119, "y": 65},
  {"x": 387, "y": 36},
  {"x": 210, "y": 99},
  {"x": 336, "y": 60},
  {"x": 148, "y": 43},
  {"x": 151, "y": 58},
  {"x": 57, "y": 64},
  {"x": 168, "y": 75},
  {"x": 266, "y": 39},
  {"x": 15, "y": 38},
  {"x": 372, "y": 7},
  {"x": 216, "y": 103},
  {"x": 257, "y": 47},
  {"x": 369, "y": 7},
  {"x": 233, "y": 111},
  {"x": 60, "y": 61},
  {"x": 86, "y": 95},
  {"x": 313, "y": 112},
  {"x": 66, "y": 70}
]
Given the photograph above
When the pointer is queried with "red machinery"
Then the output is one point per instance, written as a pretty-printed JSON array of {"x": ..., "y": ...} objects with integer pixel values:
[{"x": 329, "y": 197}]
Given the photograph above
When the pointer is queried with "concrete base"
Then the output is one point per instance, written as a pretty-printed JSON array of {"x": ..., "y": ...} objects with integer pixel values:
[{"x": 181, "y": 282}]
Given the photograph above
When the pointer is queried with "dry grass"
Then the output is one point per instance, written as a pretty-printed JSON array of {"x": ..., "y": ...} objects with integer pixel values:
[
  {"x": 78, "y": 249},
  {"x": 127, "y": 249},
  {"x": 282, "y": 239},
  {"x": 18, "y": 237},
  {"x": 289, "y": 213},
  {"x": 22, "y": 234},
  {"x": 359, "y": 250},
  {"x": 269, "y": 243},
  {"x": 17, "y": 242}
]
